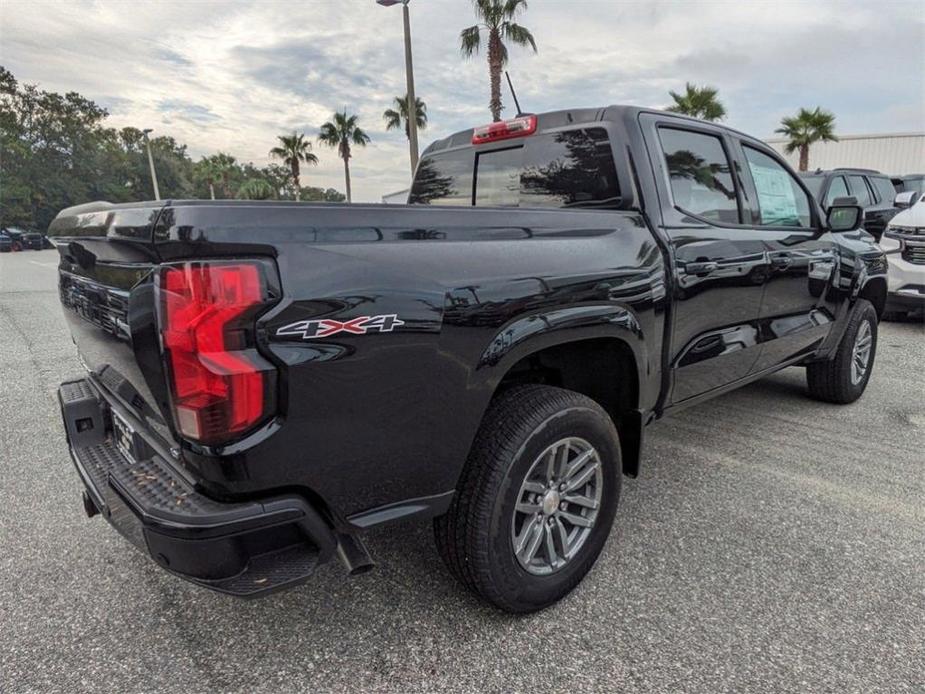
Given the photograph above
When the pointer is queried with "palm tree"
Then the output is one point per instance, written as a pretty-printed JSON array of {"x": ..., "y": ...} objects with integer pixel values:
[
  {"x": 294, "y": 149},
  {"x": 698, "y": 102},
  {"x": 223, "y": 165},
  {"x": 342, "y": 132},
  {"x": 397, "y": 117},
  {"x": 207, "y": 172},
  {"x": 806, "y": 128},
  {"x": 256, "y": 189},
  {"x": 497, "y": 18}
]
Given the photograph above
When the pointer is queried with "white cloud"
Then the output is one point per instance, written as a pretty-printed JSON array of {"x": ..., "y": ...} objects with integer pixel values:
[{"x": 232, "y": 75}]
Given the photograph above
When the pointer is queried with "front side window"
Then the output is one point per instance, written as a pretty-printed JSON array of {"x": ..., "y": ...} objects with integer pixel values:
[
  {"x": 837, "y": 189},
  {"x": 859, "y": 190},
  {"x": 700, "y": 175},
  {"x": 781, "y": 200}
]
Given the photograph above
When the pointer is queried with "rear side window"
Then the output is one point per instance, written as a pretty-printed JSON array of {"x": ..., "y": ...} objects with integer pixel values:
[
  {"x": 837, "y": 189},
  {"x": 700, "y": 175},
  {"x": 781, "y": 200},
  {"x": 883, "y": 188},
  {"x": 859, "y": 190},
  {"x": 444, "y": 178}
]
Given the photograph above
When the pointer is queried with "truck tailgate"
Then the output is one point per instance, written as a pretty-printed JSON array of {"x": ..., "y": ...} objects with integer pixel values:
[{"x": 106, "y": 258}]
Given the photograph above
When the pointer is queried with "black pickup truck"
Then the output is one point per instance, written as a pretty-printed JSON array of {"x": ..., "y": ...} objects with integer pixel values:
[{"x": 267, "y": 380}]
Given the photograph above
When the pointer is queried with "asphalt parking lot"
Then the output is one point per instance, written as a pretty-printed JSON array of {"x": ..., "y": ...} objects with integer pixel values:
[{"x": 772, "y": 543}]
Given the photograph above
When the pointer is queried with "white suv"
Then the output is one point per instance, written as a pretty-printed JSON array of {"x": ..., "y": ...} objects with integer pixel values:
[{"x": 904, "y": 245}]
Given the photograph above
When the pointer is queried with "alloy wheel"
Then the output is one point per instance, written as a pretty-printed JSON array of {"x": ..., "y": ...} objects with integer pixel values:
[{"x": 557, "y": 506}]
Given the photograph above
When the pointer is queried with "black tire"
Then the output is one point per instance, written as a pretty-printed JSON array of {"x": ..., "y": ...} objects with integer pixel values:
[
  {"x": 474, "y": 536},
  {"x": 832, "y": 380}
]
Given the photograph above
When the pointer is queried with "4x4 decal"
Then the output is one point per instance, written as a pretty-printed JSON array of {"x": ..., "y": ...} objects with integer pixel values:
[{"x": 327, "y": 326}]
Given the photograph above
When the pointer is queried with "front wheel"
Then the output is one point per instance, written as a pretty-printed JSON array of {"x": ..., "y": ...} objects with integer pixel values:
[
  {"x": 536, "y": 500},
  {"x": 843, "y": 379}
]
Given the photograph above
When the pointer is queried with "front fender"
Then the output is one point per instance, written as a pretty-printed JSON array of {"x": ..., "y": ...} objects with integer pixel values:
[{"x": 862, "y": 276}]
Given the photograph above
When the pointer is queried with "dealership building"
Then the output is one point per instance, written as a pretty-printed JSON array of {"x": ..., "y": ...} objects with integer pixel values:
[{"x": 895, "y": 154}]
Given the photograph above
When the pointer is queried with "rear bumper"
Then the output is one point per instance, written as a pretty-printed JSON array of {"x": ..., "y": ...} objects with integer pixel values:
[{"x": 243, "y": 548}]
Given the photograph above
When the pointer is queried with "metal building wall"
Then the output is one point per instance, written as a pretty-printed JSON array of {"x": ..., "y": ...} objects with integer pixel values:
[{"x": 896, "y": 153}]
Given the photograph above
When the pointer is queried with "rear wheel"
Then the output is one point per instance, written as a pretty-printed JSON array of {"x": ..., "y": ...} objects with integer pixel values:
[
  {"x": 536, "y": 499},
  {"x": 843, "y": 379}
]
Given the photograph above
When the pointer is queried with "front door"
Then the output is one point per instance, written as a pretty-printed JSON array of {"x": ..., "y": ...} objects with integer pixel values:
[
  {"x": 798, "y": 305},
  {"x": 720, "y": 269}
]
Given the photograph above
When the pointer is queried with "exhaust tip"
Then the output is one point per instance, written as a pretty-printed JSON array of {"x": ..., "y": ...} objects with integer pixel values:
[{"x": 353, "y": 555}]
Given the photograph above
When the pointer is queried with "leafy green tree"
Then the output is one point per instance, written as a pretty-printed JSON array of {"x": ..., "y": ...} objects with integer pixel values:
[
  {"x": 698, "y": 102},
  {"x": 313, "y": 194},
  {"x": 496, "y": 18},
  {"x": 56, "y": 151},
  {"x": 205, "y": 171},
  {"x": 342, "y": 132},
  {"x": 806, "y": 128},
  {"x": 293, "y": 150},
  {"x": 397, "y": 118},
  {"x": 50, "y": 146},
  {"x": 277, "y": 176},
  {"x": 256, "y": 189}
]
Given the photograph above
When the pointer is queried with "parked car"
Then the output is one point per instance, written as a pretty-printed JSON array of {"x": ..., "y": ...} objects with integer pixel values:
[
  {"x": 488, "y": 356},
  {"x": 23, "y": 239},
  {"x": 904, "y": 245},
  {"x": 6, "y": 243},
  {"x": 873, "y": 191},
  {"x": 911, "y": 182}
]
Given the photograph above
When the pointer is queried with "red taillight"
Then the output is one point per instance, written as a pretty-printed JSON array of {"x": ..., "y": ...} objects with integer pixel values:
[
  {"x": 220, "y": 385},
  {"x": 504, "y": 130}
]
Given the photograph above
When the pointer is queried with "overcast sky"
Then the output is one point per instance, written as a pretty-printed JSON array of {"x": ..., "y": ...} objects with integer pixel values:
[{"x": 232, "y": 75}]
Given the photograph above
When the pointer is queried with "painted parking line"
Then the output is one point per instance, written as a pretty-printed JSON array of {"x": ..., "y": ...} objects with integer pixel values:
[{"x": 51, "y": 265}]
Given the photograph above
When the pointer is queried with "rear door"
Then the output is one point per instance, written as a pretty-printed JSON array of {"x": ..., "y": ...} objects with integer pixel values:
[
  {"x": 720, "y": 266},
  {"x": 797, "y": 308}
]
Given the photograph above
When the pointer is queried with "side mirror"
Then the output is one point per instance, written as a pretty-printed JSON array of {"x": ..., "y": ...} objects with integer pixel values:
[
  {"x": 904, "y": 199},
  {"x": 844, "y": 217}
]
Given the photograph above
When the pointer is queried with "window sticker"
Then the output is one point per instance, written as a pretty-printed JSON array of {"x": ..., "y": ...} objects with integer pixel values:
[{"x": 776, "y": 199}]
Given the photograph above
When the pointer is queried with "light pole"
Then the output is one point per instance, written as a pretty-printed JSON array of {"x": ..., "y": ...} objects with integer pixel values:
[
  {"x": 157, "y": 193},
  {"x": 409, "y": 76}
]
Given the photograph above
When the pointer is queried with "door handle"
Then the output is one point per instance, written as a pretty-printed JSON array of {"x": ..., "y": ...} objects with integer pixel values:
[{"x": 700, "y": 268}]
